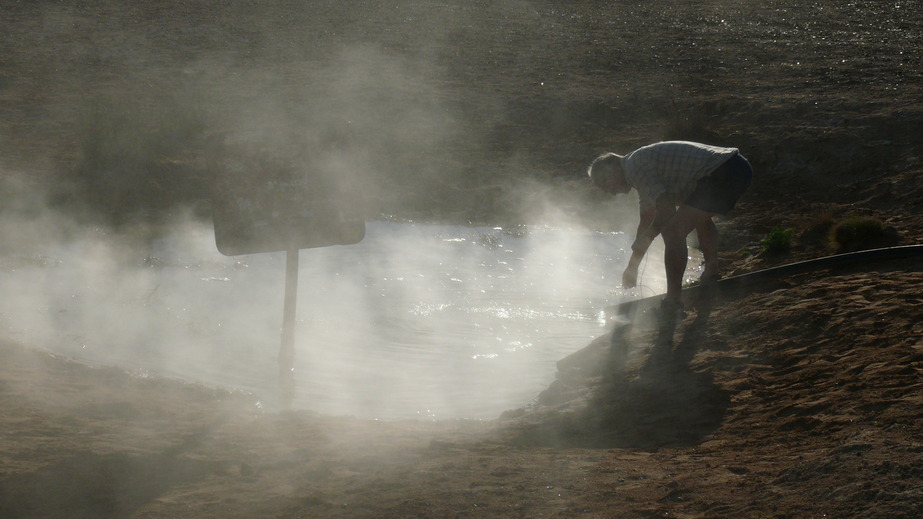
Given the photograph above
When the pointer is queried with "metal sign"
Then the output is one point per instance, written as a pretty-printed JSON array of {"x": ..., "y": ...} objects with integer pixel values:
[{"x": 261, "y": 205}]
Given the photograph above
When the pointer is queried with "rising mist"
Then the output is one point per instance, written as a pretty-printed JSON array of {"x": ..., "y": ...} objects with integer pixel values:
[{"x": 111, "y": 232}]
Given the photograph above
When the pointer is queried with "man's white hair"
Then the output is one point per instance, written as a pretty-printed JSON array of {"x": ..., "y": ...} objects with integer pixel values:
[{"x": 603, "y": 166}]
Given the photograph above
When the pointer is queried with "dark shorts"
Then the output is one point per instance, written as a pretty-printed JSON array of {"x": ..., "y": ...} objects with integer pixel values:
[{"x": 719, "y": 191}]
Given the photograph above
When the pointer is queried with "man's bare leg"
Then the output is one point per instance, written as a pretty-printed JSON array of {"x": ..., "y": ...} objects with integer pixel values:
[
  {"x": 676, "y": 253},
  {"x": 708, "y": 243}
]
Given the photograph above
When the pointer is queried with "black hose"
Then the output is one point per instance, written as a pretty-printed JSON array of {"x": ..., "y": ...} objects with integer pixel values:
[{"x": 775, "y": 273}]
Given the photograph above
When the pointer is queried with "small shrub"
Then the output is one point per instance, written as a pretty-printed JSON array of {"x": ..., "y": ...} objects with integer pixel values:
[
  {"x": 778, "y": 241},
  {"x": 861, "y": 233}
]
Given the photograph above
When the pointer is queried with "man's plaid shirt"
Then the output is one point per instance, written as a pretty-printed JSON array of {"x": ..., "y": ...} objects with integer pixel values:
[{"x": 672, "y": 168}]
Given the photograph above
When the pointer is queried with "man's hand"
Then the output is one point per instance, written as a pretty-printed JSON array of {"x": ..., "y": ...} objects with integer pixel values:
[{"x": 630, "y": 276}]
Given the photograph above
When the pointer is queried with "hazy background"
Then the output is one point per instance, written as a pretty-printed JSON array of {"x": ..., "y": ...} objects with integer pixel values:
[
  {"x": 412, "y": 103},
  {"x": 441, "y": 109}
]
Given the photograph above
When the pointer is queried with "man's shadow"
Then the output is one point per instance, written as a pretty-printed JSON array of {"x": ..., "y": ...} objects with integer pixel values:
[{"x": 664, "y": 403}]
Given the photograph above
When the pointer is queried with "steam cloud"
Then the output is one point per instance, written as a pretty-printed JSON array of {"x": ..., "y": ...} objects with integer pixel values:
[{"x": 110, "y": 252}]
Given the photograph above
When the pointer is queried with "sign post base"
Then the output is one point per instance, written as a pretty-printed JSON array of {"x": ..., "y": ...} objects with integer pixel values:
[{"x": 287, "y": 349}]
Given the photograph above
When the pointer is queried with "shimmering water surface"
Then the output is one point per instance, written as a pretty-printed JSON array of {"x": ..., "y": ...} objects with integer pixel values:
[{"x": 415, "y": 321}]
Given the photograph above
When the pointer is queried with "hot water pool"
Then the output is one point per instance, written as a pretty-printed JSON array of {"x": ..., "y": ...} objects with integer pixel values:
[{"x": 416, "y": 321}]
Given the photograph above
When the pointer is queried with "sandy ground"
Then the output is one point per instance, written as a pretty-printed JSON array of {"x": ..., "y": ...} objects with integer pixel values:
[{"x": 799, "y": 399}]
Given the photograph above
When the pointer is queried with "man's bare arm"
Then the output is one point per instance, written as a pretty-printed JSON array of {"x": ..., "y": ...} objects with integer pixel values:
[
  {"x": 654, "y": 218},
  {"x": 647, "y": 216},
  {"x": 647, "y": 211}
]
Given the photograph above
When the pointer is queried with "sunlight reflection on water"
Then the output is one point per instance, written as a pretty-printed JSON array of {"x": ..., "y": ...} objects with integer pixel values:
[
  {"x": 447, "y": 321},
  {"x": 427, "y": 321}
]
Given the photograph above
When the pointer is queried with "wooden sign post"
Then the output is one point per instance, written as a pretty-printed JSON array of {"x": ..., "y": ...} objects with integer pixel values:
[
  {"x": 287, "y": 350},
  {"x": 260, "y": 206}
]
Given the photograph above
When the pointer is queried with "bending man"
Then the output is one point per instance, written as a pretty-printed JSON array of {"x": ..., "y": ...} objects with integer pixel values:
[{"x": 682, "y": 186}]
